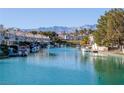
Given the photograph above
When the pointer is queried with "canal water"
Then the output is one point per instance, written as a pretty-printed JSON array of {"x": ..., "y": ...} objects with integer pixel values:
[{"x": 63, "y": 66}]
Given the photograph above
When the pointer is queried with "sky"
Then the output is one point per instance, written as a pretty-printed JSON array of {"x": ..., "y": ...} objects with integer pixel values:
[{"x": 47, "y": 17}]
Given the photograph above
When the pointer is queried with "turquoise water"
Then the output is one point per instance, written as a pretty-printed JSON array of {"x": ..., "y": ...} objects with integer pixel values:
[{"x": 62, "y": 66}]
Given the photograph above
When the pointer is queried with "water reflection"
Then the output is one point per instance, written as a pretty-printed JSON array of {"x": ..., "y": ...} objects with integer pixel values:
[
  {"x": 66, "y": 58},
  {"x": 62, "y": 66},
  {"x": 85, "y": 57},
  {"x": 109, "y": 70},
  {"x": 52, "y": 54}
]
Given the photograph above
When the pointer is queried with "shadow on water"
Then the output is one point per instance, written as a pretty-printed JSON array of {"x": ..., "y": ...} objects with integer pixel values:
[
  {"x": 109, "y": 70},
  {"x": 52, "y": 54}
]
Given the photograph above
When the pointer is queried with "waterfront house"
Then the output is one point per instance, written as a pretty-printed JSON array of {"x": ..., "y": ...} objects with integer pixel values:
[
  {"x": 2, "y": 32},
  {"x": 94, "y": 46},
  {"x": 38, "y": 38},
  {"x": 11, "y": 36},
  {"x": 20, "y": 36},
  {"x": 1, "y": 36},
  {"x": 29, "y": 37},
  {"x": 70, "y": 36},
  {"x": 45, "y": 39}
]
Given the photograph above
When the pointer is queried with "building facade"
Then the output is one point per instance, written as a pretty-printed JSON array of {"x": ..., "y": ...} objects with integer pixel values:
[{"x": 11, "y": 36}]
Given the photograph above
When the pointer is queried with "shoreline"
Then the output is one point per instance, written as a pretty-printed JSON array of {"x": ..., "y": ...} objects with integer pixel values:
[
  {"x": 100, "y": 53},
  {"x": 111, "y": 53},
  {"x": 2, "y": 57}
]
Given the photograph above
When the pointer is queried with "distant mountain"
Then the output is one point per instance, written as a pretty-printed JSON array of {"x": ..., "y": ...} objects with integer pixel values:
[
  {"x": 88, "y": 26},
  {"x": 57, "y": 29},
  {"x": 61, "y": 28}
]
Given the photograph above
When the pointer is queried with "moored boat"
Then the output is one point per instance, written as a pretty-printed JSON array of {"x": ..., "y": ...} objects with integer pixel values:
[
  {"x": 34, "y": 48},
  {"x": 23, "y": 50},
  {"x": 13, "y": 51}
]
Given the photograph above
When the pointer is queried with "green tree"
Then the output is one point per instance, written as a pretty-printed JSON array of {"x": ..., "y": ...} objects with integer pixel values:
[
  {"x": 34, "y": 32},
  {"x": 110, "y": 28},
  {"x": 85, "y": 40}
]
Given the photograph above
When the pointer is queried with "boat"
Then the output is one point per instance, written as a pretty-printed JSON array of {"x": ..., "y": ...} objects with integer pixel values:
[
  {"x": 50, "y": 46},
  {"x": 23, "y": 50},
  {"x": 13, "y": 51},
  {"x": 34, "y": 48}
]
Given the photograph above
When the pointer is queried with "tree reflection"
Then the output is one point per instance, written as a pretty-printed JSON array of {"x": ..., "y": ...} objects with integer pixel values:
[
  {"x": 109, "y": 70},
  {"x": 52, "y": 54},
  {"x": 84, "y": 57}
]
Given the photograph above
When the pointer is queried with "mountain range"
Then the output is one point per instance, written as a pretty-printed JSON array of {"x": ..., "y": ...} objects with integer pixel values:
[{"x": 61, "y": 28}]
